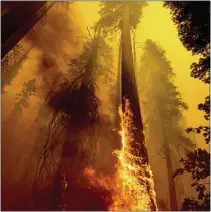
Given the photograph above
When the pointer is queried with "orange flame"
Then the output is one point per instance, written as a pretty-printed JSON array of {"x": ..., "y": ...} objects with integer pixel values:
[{"x": 132, "y": 188}]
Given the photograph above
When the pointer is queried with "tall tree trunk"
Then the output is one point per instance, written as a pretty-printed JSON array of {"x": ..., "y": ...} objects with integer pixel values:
[
  {"x": 118, "y": 88},
  {"x": 172, "y": 189},
  {"x": 134, "y": 48},
  {"x": 129, "y": 89},
  {"x": 129, "y": 92}
]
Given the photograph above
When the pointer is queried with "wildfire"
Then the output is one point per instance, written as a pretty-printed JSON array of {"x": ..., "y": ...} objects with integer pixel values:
[{"x": 132, "y": 187}]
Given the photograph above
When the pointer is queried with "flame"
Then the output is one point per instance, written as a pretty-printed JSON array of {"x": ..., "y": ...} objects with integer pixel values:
[
  {"x": 132, "y": 187},
  {"x": 135, "y": 181},
  {"x": 97, "y": 179}
]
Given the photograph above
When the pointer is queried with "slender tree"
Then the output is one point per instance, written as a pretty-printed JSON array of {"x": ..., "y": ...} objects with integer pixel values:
[{"x": 163, "y": 106}]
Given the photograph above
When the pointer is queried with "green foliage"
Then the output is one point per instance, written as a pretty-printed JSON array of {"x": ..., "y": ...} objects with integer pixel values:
[
  {"x": 111, "y": 15},
  {"x": 28, "y": 90}
]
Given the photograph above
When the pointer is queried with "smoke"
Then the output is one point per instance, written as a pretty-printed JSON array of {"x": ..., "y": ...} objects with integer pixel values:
[
  {"x": 53, "y": 45},
  {"x": 56, "y": 41}
]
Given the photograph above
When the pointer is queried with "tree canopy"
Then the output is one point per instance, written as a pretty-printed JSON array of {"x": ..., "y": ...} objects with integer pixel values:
[
  {"x": 112, "y": 13},
  {"x": 193, "y": 21},
  {"x": 193, "y": 25}
]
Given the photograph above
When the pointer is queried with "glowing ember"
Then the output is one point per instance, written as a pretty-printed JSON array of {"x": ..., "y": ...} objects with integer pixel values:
[{"x": 132, "y": 188}]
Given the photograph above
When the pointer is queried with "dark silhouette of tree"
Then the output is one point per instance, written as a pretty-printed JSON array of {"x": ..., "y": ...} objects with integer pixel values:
[
  {"x": 17, "y": 22},
  {"x": 75, "y": 120},
  {"x": 28, "y": 90},
  {"x": 205, "y": 130},
  {"x": 197, "y": 164},
  {"x": 192, "y": 20},
  {"x": 193, "y": 24},
  {"x": 163, "y": 106}
]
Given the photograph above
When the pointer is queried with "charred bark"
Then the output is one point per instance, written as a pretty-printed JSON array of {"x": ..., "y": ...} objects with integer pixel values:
[
  {"x": 129, "y": 89},
  {"x": 130, "y": 92}
]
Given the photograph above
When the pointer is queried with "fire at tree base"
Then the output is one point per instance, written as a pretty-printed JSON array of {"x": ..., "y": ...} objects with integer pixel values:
[{"x": 132, "y": 186}]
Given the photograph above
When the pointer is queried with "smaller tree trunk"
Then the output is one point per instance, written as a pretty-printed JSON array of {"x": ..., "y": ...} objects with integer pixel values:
[
  {"x": 118, "y": 88},
  {"x": 172, "y": 189}
]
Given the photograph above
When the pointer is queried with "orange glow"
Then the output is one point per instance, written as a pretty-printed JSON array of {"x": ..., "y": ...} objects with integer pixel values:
[{"x": 132, "y": 187}]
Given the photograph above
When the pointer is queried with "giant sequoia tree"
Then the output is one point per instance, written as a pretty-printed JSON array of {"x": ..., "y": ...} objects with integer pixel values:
[
  {"x": 124, "y": 17},
  {"x": 193, "y": 24},
  {"x": 163, "y": 106}
]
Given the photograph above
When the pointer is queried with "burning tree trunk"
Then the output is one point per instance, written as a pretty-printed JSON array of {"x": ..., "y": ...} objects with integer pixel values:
[
  {"x": 129, "y": 97},
  {"x": 134, "y": 189},
  {"x": 129, "y": 88}
]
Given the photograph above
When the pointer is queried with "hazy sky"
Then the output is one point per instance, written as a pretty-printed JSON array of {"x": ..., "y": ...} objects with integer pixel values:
[{"x": 156, "y": 24}]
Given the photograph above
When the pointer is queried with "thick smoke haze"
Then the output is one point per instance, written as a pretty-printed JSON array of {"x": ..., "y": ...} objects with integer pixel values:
[{"x": 51, "y": 44}]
